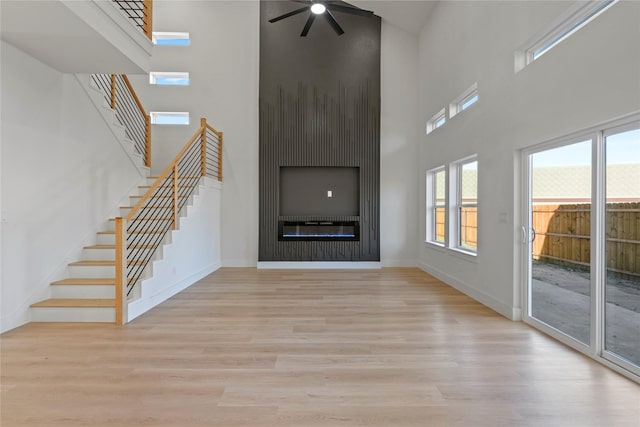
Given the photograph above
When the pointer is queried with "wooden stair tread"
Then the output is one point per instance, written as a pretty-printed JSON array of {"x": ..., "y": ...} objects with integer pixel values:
[
  {"x": 133, "y": 232},
  {"x": 75, "y": 302},
  {"x": 158, "y": 197},
  {"x": 181, "y": 176},
  {"x": 151, "y": 207},
  {"x": 100, "y": 247},
  {"x": 91, "y": 262},
  {"x": 167, "y": 186},
  {"x": 150, "y": 219},
  {"x": 85, "y": 281}
]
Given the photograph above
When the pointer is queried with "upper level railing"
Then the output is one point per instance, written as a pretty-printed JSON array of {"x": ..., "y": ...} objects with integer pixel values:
[
  {"x": 140, "y": 12},
  {"x": 130, "y": 113},
  {"x": 139, "y": 235}
]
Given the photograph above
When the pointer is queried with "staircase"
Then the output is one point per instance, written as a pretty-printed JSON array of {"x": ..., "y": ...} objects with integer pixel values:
[
  {"x": 88, "y": 294},
  {"x": 110, "y": 274}
]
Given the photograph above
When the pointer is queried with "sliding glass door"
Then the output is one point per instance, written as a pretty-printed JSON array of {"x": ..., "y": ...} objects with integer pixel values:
[
  {"x": 581, "y": 230},
  {"x": 560, "y": 239},
  {"x": 622, "y": 227}
]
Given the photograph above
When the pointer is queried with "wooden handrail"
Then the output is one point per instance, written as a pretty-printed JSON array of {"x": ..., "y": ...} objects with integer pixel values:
[
  {"x": 120, "y": 270},
  {"x": 220, "y": 156},
  {"x": 203, "y": 147},
  {"x": 147, "y": 141},
  {"x": 113, "y": 91},
  {"x": 113, "y": 96},
  {"x": 147, "y": 27},
  {"x": 162, "y": 177},
  {"x": 133, "y": 93}
]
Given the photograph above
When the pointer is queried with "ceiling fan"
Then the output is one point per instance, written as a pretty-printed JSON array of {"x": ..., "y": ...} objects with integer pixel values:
[{"x": 324, "y": 8}]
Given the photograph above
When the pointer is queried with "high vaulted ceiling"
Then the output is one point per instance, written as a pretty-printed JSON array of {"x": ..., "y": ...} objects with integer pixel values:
[{"x": 410, "y": 15}]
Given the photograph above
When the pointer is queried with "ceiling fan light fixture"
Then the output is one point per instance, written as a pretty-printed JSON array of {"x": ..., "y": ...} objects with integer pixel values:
[{"x": 318, "y": 8}]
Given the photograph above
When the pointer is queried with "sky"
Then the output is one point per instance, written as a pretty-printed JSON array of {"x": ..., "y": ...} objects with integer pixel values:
[{"x": 622, "y": 148}]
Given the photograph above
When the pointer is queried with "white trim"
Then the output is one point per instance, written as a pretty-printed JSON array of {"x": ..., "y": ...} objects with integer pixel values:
[
  {"x": 574, "y": 18},
  {"x": 431, "y": 205},
  {"x": 398, "y": 263},
  {"x": 455, "y": 107},
  {"x": 311, "y": 265},
  {"x": 155, "y": 75},
  {"x": 506, "y": 310},
  {"x": 170, "y": 35},
  {"x": 175, "y": 114},
  {"x": 456, "y": 204},
  {"x": 432, "y": 123}
]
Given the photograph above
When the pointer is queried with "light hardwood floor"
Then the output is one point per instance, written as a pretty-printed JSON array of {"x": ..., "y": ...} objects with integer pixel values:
[{"x": 247, "y": 347}]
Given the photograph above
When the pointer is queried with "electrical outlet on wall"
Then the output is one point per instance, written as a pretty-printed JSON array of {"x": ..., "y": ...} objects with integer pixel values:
[{"x": 329, "y": 193}]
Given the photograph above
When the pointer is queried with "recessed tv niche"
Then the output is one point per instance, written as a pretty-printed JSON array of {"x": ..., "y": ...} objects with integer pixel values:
[{"x": 319, "y": 191}]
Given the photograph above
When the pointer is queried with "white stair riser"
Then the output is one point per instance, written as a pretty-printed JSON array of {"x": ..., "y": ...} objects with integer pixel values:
[
  {"x": 142, "y": 253},
  {"x": 73, "y": 314},
  {"x": 111, "y": 226},
  {"x": 98, "y": 254},
  {"x": 92, "y": 272},
  {"x": 83, "y": 291},
  {"x": 106, "y": 239}
]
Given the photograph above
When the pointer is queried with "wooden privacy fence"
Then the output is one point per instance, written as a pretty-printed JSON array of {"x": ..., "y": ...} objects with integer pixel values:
[
  {"x": 468, "y": 226},
  {"x": 563, "y": 235}
]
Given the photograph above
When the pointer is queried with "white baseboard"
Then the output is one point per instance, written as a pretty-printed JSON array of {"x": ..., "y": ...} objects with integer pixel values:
[
  {"x": 511, "y": 313},
  {"x": 398, "y": 263},
  {"x": 310, "y": 265},
  {"x": 238, "y": 263}
]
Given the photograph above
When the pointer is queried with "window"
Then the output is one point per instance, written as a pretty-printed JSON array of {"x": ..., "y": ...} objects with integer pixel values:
[
  {"x": 168, "y": 78},
  {"x": 464, "y": 101},
  {"x": 436, "y": 121},
  {"x": 465, "y": 208},
  {"x": 169, "y": 118},
  {"x": 576, "y": 17},
  {"x": 170, "y": 38},
  {"x": 436, "y": 205}
]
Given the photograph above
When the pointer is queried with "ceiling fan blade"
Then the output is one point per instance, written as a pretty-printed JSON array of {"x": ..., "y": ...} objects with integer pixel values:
[
  {"x": 334, "y": 24},
  {"x": 310, "y": 20},
  {"x": 347, "y": 9},
  {"x": 302, "y": 1},
  {"x": 286, "y": 15}
]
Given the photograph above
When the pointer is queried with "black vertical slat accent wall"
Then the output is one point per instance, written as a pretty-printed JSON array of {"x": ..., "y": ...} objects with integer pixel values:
[{"x": 319, "y": 106}]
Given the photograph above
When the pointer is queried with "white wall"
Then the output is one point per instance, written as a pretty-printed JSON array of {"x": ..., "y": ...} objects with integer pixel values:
[
  {"x": 223, "y": 61},
  {"x": 589, "y": 78},
  {"x": 398, "y": 147},
  {"x": 63, "y": 174}
]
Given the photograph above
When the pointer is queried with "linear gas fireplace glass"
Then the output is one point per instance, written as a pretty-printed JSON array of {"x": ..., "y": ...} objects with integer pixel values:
[
  {"x": 318, "y": 230},
  {"x": 319, "y": 191}
]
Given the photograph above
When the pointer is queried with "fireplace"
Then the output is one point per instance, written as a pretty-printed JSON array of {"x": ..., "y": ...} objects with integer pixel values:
[{"x": 318, "y": 230}]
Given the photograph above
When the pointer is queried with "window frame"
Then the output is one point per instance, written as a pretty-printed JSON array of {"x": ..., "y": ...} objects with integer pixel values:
[
  {"x": 159, "y": 114},
  {"x": 432, "y": 206},
  {"x": 459, "y": 104},
  {"x": 432, "y": 124},
  {"x": 154, "y": 76},
  {"x": 160, "y": 38},
  {"x": 573, "y": 19},
  {"x": 457, "y": 205}
]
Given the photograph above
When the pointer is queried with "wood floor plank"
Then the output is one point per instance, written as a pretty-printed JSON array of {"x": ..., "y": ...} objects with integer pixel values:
[{"x": 245, "y": 347}]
